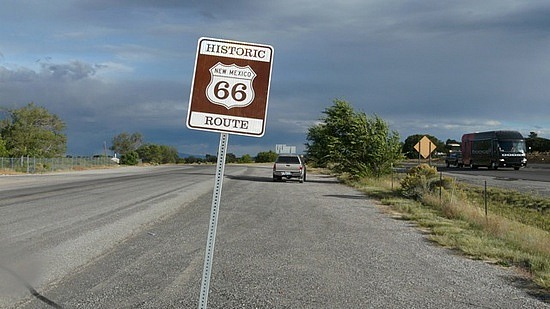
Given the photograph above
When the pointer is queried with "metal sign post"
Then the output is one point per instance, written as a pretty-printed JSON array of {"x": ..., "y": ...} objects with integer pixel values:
[
  {"x": 216, "y": 195},
  {"x": 229, "y": 94}
]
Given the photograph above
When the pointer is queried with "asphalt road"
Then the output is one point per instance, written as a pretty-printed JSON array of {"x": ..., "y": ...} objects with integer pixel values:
[
  {"x": 534, "y": 179},
  {"x": 135, "y": 238}
]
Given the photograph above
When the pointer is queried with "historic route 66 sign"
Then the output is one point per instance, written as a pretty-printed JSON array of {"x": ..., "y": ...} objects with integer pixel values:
[{"x": 230, "y": 87}]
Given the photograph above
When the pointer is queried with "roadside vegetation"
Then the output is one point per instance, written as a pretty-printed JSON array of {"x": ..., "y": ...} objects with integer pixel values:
[
  {"x": 504, "y": 227},
  {"x": 31, "y": 131},
  {"x": 514, "y": 231},
  {"x": 352, "y": 142},
  {"x": 33, "y": 140}
]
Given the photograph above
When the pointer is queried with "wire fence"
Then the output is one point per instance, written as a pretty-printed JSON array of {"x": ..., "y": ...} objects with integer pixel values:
[{"x": 32, "y": 165}]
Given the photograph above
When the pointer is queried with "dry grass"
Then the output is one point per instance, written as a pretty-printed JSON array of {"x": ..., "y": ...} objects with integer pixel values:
[{"x": 458, "y": 221}]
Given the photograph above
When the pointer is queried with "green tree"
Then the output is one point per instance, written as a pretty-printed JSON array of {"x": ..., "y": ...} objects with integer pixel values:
[
  {"x": 3, "y": 150},
  {"x": 230, "y": 158},
  {"x": 210, "y": 158},
  {"x": 537, "y": 144},
  {"x": 352, "y": 142},
  {"x": 246, "y": 158},
  {"x": 169, "y": 154},
  {"x": 130, "y": 158},
  {"x": 124, "y": 142},
  {"x": 266, "y": 156},
  {"x": 317, "y": 149},
  {"x": 157, "y": 154},
  {"x": 33, "y": 131},
  {"x": 193, "y": 159}
]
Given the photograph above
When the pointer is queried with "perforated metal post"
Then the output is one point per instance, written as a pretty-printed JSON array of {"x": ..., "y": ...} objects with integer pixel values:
[{"x": 216, "y": 195}]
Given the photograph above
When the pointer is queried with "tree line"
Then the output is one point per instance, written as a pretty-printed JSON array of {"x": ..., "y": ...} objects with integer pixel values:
[
  {"x": 132, "y": 150},
  {"x": 344, "y": 140},
  {"x": 35, "y": 132}
]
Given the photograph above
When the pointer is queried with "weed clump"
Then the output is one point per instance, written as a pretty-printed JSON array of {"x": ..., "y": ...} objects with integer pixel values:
[
  {"x": 421, "y": 180},
  {"x": 417, "y": 181}
]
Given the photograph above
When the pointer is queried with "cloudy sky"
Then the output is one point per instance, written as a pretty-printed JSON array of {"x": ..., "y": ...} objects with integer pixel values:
[{"x": 426, "y": 67}]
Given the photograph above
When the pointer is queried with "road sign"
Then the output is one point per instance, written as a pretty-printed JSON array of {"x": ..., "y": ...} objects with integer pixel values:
[
  {"x": 425, "y": 147},
  {"x": 228, "y": 95},
  {"x": 282, "y": 148},
  {"x": 230, "y": 87}
]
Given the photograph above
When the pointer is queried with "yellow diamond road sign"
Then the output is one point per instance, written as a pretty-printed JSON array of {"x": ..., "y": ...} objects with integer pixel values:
[{"x": 425, "y": 147}]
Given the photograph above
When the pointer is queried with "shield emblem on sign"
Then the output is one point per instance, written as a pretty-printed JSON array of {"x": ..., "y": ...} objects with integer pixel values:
[{"x": 230, "y": 85}]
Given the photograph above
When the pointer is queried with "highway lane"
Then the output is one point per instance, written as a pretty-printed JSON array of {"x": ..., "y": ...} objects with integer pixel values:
[
  {"x": 50, "y": 225},
  {"x": 534, "y": 179},
  {"x": 537, "y": 172},
  {"x": 280, "y": 245}
]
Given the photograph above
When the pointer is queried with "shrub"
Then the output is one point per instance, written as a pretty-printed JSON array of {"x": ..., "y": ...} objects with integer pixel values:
[
  {"x": 130, "y": 158},
  {"x": 418, "y": 181}
]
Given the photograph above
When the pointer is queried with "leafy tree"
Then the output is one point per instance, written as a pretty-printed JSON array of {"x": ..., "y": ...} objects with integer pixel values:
[
  {"x": 170, "y": 154},
  {"x": 408, "y": 145},
  {"x": 150, "y": 154},
  {"x": 193, "y": 159},
  {"x": 318, "y": 151},
  {"x": 3, "y": 150},
  {"x": 266, "y": 156},
  {"x": 130, "y": 158},
  {"x": 124, "y": 142},
  {"x": 230, "y": 158},
  {"x": 157, "y": 154},
  {"x": 246, "y": 158},
  {"x": 535, "y": 143},
  {"x": 33, "y": 131},
  {"x": 210, "y": 158},
  {"x": 353, "y": 142}
]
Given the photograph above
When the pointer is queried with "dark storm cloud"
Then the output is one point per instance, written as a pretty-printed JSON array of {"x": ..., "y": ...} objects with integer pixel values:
[
  {"x": 95, "y": 110},
  {"x": 436, "y": 67},
  {"x": 71, "y": 71},
  {"x": 17, "y": 75}
]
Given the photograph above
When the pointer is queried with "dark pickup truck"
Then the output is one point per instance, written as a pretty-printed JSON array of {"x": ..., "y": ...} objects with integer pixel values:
[{"x": 454, "y": 159}]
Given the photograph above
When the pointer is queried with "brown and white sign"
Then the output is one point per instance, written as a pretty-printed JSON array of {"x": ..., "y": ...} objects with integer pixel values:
[{"x": 230, "y": 87}]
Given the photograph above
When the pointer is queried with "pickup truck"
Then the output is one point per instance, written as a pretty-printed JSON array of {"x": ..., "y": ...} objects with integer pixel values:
[
  {"x": 289, "y": 166},
  {"x": 454, "y": 159}
]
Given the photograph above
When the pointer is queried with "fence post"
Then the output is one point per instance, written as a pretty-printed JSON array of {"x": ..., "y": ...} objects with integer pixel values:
[
  {"x": 392, "y": 176},
  {"x": 440, "y": 188},
  {"x": 485, "y": 198}
]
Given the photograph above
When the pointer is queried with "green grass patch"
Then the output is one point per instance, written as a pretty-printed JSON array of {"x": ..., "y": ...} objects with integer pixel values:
[
  {"x": 527, "y": 209},
  {"x": 515, "y": 232}
]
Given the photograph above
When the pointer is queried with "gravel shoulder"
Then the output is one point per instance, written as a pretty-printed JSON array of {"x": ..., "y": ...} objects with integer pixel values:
[{"x": 286, "y": 245}]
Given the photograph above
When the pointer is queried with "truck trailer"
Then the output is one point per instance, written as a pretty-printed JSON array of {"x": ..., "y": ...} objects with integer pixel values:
[{"x": 494, "y": 149}]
